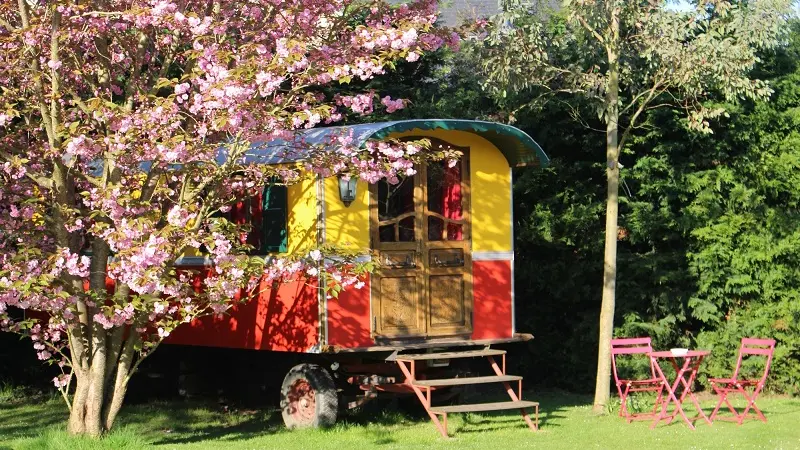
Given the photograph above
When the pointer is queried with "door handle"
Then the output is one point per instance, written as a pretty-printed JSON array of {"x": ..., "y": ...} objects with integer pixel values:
[
  {"x": 409, "y": 262},
  {"x": 455, "y": 262}
]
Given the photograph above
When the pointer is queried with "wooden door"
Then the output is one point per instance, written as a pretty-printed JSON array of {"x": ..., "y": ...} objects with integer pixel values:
[{"x": 420, "y": 232}]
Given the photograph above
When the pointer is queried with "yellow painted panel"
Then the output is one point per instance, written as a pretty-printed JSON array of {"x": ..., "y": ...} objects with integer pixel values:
[
  {"x": 347, "y": 226},
  {"x": 491, "y": 200},
  {"x": 490, "y": 188},
  {"x": 302, "y": 220}
]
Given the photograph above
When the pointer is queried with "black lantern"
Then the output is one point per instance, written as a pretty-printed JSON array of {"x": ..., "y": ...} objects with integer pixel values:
[{"x": 347, "y": 189}]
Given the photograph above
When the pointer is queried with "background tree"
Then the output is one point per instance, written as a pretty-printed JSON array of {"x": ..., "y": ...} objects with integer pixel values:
[
  {"x": 113, "y": 119},
  {"x": 732, "y": 199},
  {"x": 627, "y": 58},
  {"x": 708, "y": 225}
]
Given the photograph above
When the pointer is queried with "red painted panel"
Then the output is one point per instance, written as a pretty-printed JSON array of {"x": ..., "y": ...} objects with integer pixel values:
[
  {"x": 283, "y": 319},
  {"x": 491, "y": 285},
  {"x": 348, "y": 318}
]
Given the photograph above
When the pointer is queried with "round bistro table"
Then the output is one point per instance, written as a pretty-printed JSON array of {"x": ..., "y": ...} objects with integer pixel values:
[{"x": 684, "y": 377}]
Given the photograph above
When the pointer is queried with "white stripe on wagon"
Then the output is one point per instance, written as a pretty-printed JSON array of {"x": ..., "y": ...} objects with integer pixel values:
[{"x": 493, "y": 256}]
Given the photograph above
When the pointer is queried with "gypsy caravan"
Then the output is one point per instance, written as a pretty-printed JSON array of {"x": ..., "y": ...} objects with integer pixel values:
[{"x": 443, "y": 291}]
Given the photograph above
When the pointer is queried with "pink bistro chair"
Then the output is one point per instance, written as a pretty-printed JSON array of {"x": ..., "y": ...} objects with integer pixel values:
[
  {"x": 748, "y": 388},
  {"x": 635, "y": 346}
]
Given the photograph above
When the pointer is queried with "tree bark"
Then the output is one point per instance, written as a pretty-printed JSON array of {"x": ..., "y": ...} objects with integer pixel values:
[
  {"x": 603, "y": 381},
  {"x": 97, "y": 386},
  {"x": 100, "y": 390},
  {"x": 119, "y": 384},
  {"x": 77, "y": 414}
]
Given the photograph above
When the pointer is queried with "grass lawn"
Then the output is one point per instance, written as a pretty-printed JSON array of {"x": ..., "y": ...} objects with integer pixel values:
[{"x": 566, "y": 422}]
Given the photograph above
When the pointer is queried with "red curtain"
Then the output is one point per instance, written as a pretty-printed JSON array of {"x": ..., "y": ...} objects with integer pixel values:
[
  {"x": 248, "y": 211},
  {"x": 256, "y": 222},
  {"x": 451, "y": 201}
]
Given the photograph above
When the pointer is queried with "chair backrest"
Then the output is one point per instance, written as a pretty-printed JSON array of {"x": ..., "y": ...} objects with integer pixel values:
[
  {"x": 630, "y": 346},
  {"x": 754, "y": 346}
]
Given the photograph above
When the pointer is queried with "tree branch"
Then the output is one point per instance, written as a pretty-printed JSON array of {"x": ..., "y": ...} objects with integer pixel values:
[
  {"x": 6, "y": 25},
  {"x": 591, "y": 30},
  {"x": 54, "y": 80},
  {"x": 24, "y": 13},
  {"x": 137, "y": 70},
  {"x": 651, "y": 94}
]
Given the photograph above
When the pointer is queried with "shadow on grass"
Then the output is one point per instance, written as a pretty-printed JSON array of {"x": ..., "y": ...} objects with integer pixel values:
[
  {"x": 379, "y": 418},
  {"x": 26, "y": 418},
  {"x": 552, "y": 407},
  {"x": 181, "y": 423},
  {"x": 175, "y": 423}
]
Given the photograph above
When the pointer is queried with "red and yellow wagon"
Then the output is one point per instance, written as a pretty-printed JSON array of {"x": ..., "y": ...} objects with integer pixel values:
[{"x": 444, "y": 243}]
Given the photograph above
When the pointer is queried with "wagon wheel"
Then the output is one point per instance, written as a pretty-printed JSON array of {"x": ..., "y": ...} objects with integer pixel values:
[{"x": 308, "y": 397}]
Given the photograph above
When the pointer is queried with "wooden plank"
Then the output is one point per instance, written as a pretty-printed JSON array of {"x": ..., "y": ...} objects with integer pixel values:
[
  {"x": 466, "y": 380},
  {"x": 476, "y": 407},
  {"x": 450, "y": 355}
]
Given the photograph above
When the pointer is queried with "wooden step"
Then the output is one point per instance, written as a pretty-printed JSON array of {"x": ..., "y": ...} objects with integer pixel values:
[
  {"x": 466, "y": 380},
  {"x": 476, "y": 407},
  {"x": 450, "y": 355}
]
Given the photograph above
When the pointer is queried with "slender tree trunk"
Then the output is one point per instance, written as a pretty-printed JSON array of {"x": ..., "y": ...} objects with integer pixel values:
[
  {"x": 603, "y": 381},
  {"x": 97, "y": 386},
  {"x": 100, "y": 390},
  {"x": 76, "y": 424},
  {"x": 118, "y": 385},
  {"x": 103, "y": 384}
]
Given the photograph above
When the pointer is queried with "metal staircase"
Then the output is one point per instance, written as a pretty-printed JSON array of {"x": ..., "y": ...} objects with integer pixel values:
[{"x": 423, "y": 388}]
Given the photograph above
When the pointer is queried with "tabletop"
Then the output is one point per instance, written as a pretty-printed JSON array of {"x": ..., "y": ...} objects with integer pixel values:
[{"x": 689, "y": 354}]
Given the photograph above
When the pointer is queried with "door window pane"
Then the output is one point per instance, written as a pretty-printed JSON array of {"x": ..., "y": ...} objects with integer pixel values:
[
  {"x": 444, "y": 198},
  {"x": 435, "y": 227},
  {"x": 393, "y": 202}
]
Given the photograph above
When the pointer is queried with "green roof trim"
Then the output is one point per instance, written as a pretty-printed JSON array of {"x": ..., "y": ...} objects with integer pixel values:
[
  {"x": 516, "y": 145},
  {"x": 518, "y": 148}
]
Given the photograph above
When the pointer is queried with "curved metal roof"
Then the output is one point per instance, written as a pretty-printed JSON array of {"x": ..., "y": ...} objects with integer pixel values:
[{"x": 517, "y": 146}]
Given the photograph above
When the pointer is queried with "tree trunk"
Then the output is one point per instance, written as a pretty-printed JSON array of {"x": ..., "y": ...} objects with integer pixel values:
[
  {"x": 99, "y": 395},
  {"x": 77, "y": 414},
  {"x": 603, "y": 381},
  {"x": 102, "y": 384}
]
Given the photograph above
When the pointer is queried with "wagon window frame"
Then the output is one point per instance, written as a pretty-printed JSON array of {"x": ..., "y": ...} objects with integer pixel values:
[
  {"x": 271, "y": 224},
  {"x": 272, "y": 232},
  {"x": 275, "y": 229}
]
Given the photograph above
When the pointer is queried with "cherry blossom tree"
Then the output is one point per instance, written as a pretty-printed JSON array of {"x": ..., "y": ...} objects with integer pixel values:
[{"x": 124, "y": 126}]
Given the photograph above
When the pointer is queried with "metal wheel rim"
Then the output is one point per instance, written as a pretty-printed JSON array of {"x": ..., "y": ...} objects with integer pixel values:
[{"x": 302, "y": 402}]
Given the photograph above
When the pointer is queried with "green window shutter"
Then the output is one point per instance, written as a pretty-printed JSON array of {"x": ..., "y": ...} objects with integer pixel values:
[{"x": 274, "y": 209}]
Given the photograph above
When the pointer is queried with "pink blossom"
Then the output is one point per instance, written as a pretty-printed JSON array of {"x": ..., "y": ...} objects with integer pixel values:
[
  {"x": 393, "y": 105},
  {"x": 61, "y": 381},
  {"x": 361, "y": 103},
  {"x": 181, "y": 88}
]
